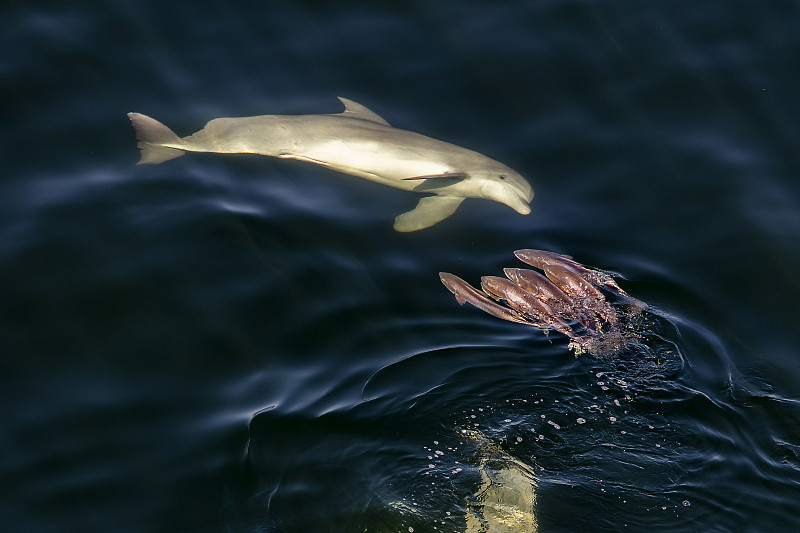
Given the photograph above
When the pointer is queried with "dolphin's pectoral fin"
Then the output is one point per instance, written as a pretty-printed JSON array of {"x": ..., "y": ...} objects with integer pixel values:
[
  {"x": 429, "y": 211},
  {"x": 429, "y": 185},
  {"x": 437, "y": 181},
  {"x": 355, "y": 110}
]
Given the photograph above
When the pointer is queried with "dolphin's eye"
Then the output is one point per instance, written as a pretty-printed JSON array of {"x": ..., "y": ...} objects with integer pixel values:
[{"x": 502, "y": 177}]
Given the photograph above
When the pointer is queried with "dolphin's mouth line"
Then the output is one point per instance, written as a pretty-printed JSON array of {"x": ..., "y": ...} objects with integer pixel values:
[
  {"x": 523, "y": 202},
  {"x": 525, "y": 195}
]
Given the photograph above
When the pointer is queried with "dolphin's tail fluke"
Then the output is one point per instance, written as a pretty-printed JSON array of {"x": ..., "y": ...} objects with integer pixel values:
[{"x": 152, "y": 136}]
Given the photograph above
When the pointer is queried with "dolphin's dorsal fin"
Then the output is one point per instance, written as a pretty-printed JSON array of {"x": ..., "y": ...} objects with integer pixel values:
[
  {"x": 429, "y": 211},
  {"x": 355, "y": 110}
]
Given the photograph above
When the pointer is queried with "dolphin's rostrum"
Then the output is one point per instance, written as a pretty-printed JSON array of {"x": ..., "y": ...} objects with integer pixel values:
[{"x": 358, "y": 142}]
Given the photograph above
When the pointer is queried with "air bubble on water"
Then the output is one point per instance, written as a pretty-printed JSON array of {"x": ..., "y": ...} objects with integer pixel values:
[
  {"x": 612, "y": 418},
  {"x": 507, "y": 420},
  {"x": 686, "y": 503},
  {"x": 616, "y": 402},
  {"x": 431, "y": 466},
  {"x": 436, "y": 442},
  {"x": 580, "y": 421},
  {"x": 543, "y": 416},
  {"x": 519, "y": 439}
]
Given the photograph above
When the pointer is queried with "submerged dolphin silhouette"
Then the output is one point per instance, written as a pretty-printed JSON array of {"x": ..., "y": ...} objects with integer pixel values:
[{"x": 358, "y": 142}]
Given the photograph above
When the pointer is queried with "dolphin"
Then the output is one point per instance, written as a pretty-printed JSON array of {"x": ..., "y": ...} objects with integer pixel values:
[
  {"x": 506, "y": 498},
  {"x": 357, "y": 142},
  {"x": 503, "y": 502}
]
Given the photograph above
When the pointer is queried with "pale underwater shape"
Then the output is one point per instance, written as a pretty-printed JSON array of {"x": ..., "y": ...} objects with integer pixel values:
[{"x": 505, "y": 499}]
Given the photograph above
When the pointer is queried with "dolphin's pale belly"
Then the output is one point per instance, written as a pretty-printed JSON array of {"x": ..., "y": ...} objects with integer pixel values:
[{"x": 373, "y": 161}]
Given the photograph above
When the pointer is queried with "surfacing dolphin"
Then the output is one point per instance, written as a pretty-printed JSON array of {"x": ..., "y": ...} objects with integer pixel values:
[{"x": 358, "y": 142}]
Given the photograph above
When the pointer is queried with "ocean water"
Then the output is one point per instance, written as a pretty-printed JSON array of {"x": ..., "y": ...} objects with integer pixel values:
[{"x": 232, "y": 343}]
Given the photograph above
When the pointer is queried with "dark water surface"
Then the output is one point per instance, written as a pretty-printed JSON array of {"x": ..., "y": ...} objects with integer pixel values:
[{"x": 235, "y": 343}]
